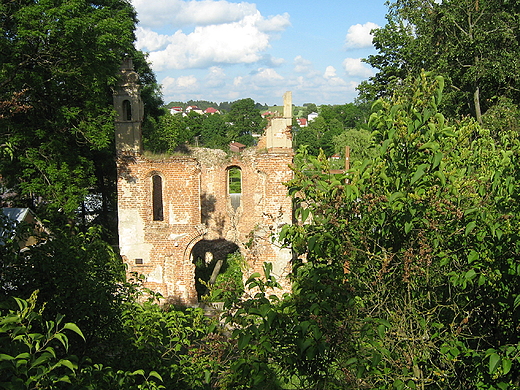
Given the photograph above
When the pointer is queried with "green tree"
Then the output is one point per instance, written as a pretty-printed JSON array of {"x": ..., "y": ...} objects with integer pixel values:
[
  {"x": 244, "y": 120},
  {"x": 309, "y": 108},
  {"x": 58, "y": 62},
  {"x": 28, "y": 359},
  {"x": 192, "y": 132},
  {"x": 213, "y": 133},
  {"x": 77, "y": 274},
  {"x": 474, "y": 43},
  {"x": 359, "y": 142},
  {"x": 410, "y": 267},
  {"x": 334, "y": 128}
]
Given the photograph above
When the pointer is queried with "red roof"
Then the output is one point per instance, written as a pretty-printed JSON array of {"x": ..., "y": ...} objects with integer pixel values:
[
  {"x": 211, "y": 110},
  {"x": 236, "y": 146}
]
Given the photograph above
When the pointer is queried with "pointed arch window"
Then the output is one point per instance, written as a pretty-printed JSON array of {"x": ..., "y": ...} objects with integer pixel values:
[
  {"x": 157, "y": 198},
  {"x": 127, "y": 110}
]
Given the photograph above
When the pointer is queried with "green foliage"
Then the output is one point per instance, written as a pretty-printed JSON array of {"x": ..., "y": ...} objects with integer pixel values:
[
  {"x": 59, "y": 61},
  {"x": 359, "y": 142},
  {"x": 30, "y": 359},
  {"x": 245, "y": 121},
  {"x": 123, "y": 344},
  {"x": 164, "y": 135},
  {"x": 214, "y": 132},
  {"x": 177, "y": 344},
  {"x": 321, "y": 133},
  {"x": 504, "y": 115},
  {"x": 422, "y": 242},
  {"x": 229, "y": 285},
  {"x": 31, "y": 350},
  {"x": 235, "y": 180},
  {"x": 78, "y": 275},
  {"x": 473, "y": 43},
  {"x": 170, "y": 132}
]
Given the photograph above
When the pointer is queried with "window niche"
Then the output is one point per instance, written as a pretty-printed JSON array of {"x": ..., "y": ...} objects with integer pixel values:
[
  {"x": 234, "y": 175},
  {"x": 157, "y": 198},
  {"x": 127, "y": 110}
]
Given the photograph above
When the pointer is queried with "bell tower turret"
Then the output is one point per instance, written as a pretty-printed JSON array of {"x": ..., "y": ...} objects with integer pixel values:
[{"x": 129, "y": 109}]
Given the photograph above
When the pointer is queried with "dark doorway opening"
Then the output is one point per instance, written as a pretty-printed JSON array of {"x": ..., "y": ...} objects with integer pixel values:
[{"x": 209, "y": 257}]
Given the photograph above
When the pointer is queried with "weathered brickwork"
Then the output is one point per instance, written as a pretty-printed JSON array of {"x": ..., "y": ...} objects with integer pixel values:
[{"x": 161, "y": 219}]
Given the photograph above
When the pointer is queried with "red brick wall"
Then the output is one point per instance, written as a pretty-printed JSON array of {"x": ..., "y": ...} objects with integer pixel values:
[{"x": 197, "y": 206}]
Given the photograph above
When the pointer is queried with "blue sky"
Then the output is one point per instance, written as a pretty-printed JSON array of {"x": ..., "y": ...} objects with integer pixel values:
[{"x": 228, "y": 50}]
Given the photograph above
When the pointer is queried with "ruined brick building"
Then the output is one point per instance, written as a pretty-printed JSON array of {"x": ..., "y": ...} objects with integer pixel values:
[{"x": 202, "y": 205}]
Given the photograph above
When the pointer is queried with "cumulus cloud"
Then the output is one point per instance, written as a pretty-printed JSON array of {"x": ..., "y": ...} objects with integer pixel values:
[
  {"x": 356, "y": 68},
  {"x": 216, "y": 77},
  {"x": 359, "y": 36},
  {"x": 175, "y": 86},
  {"x": 179, "y": 13},
  {"x": 266, "y": 76},
  {"x": 302, "y": 65},
  {"x": 223, "y": 33},
  {"x": 330, "y": 72},
  {"x": 150, "y": 40}
]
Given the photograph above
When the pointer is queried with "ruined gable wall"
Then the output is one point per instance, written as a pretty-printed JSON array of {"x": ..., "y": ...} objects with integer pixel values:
[
  {"x": 196, "y": 202},
  {"x": 264, "y": 205},
  {"x": 197, "y": 206}
]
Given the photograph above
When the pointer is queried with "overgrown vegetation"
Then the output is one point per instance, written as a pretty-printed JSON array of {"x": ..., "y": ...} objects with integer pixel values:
[{"x": 406, "y": 267}]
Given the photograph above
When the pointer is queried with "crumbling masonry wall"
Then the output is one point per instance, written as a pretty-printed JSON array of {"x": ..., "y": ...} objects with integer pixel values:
[
  {"x": 166, "y": 206},
  {"x": 196, "y": 206}
]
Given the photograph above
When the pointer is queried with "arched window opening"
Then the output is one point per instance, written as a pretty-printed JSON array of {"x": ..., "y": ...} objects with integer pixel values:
[
  {"x": 157, "y": 198},
  {"x": 127, "y": 110},
  {"x": 235, "y": 186}
]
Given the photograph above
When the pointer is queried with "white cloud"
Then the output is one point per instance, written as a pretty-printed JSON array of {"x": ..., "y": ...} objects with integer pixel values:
[
  {"x": 330, "y": 72},
  {"x": 187, "y": 82},
  {"x": 266, "y": 77},
  {"x": 223, "y": 33},
  {"x": 238, "y": 81},
  {"x": 175, "y": 86},
  {"x": 302, "y": 65},
  {"x": 179, "y": 13},
  {"x": 358, "y": 35},
  {"x": 150, "y": 40},
  {"x": 215, "y": 78},
  {"x": 354, "y": 67}
]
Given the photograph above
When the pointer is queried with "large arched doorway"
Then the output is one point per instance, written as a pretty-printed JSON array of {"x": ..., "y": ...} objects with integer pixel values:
[{"x": 210, "y": 259}]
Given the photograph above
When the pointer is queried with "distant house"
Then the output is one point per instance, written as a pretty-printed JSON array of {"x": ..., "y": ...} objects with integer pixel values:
[
  {"x": 236, "y": 146},
  {"x": 312, "y": 116},
  {"x": 302, "y": 122},
  {"x": 194, "y": 109},
  {"x": 17, "y": 216},
  {"x": 211, "y": 110},
  {"x": 176, "y": 110},
  {"x": 270, "y": 114}
]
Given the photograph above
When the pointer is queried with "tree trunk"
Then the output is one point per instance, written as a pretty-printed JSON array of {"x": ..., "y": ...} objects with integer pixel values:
[
  {"x": 215, "y": 272},
  {"x": 476, "y": 101}
]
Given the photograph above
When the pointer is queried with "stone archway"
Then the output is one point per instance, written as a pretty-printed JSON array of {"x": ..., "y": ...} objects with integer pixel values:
[{"x": 209, "y": 258}]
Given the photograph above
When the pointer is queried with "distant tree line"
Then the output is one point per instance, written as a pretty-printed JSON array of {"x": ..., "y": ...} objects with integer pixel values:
[
  {"x": 243, "y": 123},
  {"x": 204, "y": 104},
  {"x": 336, "y": 127}
]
